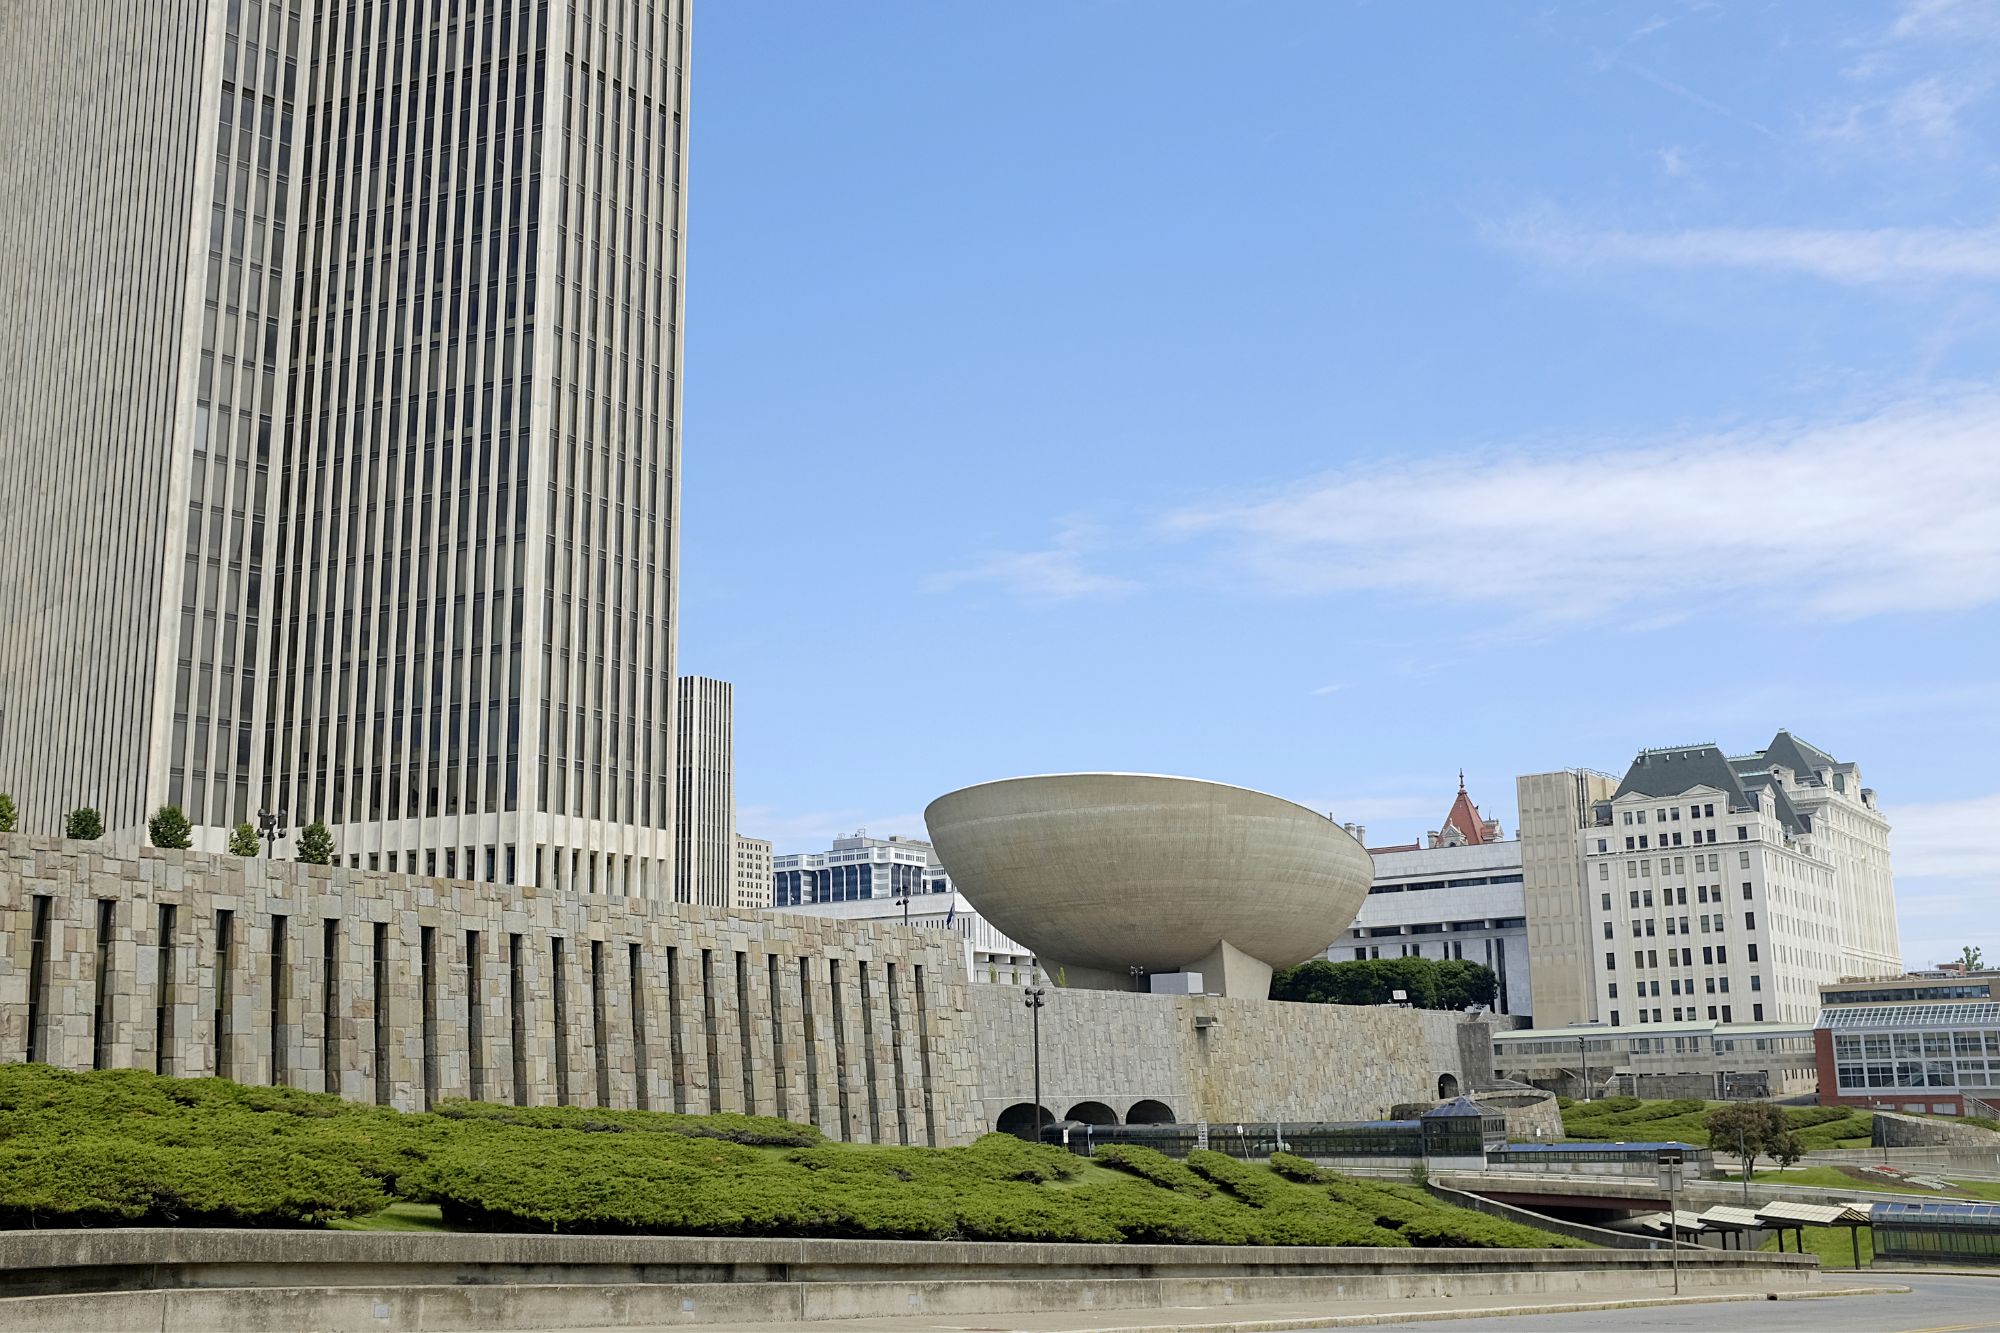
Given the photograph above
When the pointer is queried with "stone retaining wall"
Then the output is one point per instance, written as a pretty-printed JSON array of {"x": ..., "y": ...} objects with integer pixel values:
[{"x": 355, "y": 1280}]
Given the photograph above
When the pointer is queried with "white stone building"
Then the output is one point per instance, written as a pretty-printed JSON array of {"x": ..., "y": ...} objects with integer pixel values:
[
  {"x": 1460, "y": 897},
  {"x": 705, "y": 793},
  {"x": 1712, "y": 894},
  {"x": 753, "y": 873}
]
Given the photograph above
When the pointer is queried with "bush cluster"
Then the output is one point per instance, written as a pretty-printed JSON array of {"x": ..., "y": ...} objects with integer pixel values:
[
  {"x": 1630, "y": 1118},
  {"x": 129, "y": 1148}
]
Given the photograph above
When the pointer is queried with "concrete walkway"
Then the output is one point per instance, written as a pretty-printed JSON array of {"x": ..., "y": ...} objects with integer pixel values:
[{"x": 1267, "y": 1318}]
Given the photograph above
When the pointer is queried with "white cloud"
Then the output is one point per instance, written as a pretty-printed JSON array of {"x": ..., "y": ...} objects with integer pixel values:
[
  {"x": 1894, "y": 512},
  {"x": 1889, "y": 512},
  {"x": 1055, "y": 573},
  {"x": 1948, "y": 839},
  {"x": 1331, "y": 687},
  {"x": 1856, "y": 256}
]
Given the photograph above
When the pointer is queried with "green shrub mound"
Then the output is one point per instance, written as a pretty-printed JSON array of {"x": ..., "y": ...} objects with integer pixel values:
[
  {"x": 1154, "y": 1167},
  {"x": 1630, "y": 1119},
  {"x": 125, "y": 1148},
  {"x": 1415, "y": 1215}
]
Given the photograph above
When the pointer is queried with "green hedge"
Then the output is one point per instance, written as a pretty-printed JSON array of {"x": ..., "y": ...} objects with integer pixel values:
[
  {"x": 1615, "y": 1118},
  {"x": 1417, "y": 1216},
  {"x": 128, "y": 1148}
]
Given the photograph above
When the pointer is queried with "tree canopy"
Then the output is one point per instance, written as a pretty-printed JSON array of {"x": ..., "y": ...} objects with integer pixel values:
[{"x": 1428, "y": 983}]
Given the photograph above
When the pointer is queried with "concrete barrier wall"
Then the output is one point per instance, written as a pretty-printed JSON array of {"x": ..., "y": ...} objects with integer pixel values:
[{"x": 226, "y": 1280}]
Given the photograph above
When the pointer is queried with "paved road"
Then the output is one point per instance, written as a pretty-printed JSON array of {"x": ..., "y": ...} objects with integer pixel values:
[{"x": 1934, "y": 1305}]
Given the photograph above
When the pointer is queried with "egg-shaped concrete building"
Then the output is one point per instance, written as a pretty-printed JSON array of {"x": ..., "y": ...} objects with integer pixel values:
[{"x": 1114, "y": 877}]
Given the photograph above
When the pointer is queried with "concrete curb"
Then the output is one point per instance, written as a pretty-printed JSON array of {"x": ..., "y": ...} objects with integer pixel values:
[{"x": 1489, "y": 1312}]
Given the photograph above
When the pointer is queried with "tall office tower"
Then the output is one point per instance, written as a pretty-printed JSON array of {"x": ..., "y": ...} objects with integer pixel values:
[
  {"x": 705, "y": 799},
  {"x": 1554, "y": 807},
  {"x": 339, "y": 423}
]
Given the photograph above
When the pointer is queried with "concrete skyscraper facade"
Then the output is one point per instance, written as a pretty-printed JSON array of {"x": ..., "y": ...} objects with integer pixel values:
[
  {"x": 705, "y": 793},
  {"x": 339, "y": 427}
]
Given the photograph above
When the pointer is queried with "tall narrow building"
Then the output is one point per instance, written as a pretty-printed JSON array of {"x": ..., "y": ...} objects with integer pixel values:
[
  {"x": 705, "y": 801},
  {"x": 339, "y": 424}
]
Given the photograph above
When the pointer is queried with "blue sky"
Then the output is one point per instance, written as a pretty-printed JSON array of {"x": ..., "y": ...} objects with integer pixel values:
[{"x": 1325, "y": 397}]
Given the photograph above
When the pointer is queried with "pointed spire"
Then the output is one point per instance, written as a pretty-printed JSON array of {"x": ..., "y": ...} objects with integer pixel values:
[{"x": 1461, "y": 779}]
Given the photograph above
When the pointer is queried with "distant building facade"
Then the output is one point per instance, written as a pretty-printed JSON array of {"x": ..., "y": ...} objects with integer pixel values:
[
  {"x": 856, "y": 869},
  {"x": 1461, "y": 897},
  {"x": 989, "y": 955},
  {"x": 753, "y": 873},
  {"x": 705, "y": 793},
  {"x": 1689, "y": 1058},
  {"x": 1926, "y": 1043},
  {"x": 1705, "y": 887}
]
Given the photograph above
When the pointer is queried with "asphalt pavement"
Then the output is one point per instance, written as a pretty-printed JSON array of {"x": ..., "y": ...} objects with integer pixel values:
[{"x": 1934, "y": 1304}]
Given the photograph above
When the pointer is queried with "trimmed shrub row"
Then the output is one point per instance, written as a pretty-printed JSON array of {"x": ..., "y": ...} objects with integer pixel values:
[{"x": 129, "y": 1148}]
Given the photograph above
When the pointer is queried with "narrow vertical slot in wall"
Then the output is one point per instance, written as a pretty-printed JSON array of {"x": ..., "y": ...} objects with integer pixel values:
[
  {"x": 382, "y": 1086},
  {"x": 896, "y": 1061},
  {"x": 475, "y": 1017},
  {"x": 38, "y": 976},
  {"x": 869, "y": 1071},
  {"x": 329, "y": 1005},
  {"x": 560, "y": 987},
  {"x": 164, "y": 1034},
  {"x": 281, "y": 992},
  {"x": 100, "y": 1009},
  {"x": 811, "y": 1042},
  {"x": 708, "y": 1030},
  {"x": 225, "y": 987},
  {"x": 676, "y": 1047},
  {"x": 517, "y": 1018},
  {"x": 427, "y": 992},
  {"x": 777, "y": 1036},
  {"x": 600, "y": 1027},
  {"x": 924, "y": 1056},
  {"x": 642, "y": 1064},
  {"x": 743, "y": 1022},
  {"x": 839, "y": 1047}
]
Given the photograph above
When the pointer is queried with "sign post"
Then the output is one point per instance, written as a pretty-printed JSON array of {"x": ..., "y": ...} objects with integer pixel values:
[{"x": 1670, "y": 1160}]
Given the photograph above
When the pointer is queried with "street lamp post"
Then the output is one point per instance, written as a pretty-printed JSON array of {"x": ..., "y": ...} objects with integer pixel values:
[
  {"x": 1583, "y": 1059},
  {"x": 270, "y": 827},
  {"x": 1138, "y": 977},
  {"x": 1033, "y": 997}
]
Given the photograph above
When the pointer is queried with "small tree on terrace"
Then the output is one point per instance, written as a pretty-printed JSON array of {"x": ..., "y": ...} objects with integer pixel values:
[
  {"x": 9, "y": 816},
  {"x": 316, "y": 844},
  {"x": 1750, "y": 1129},
  {"x": 169, "y": 828},
  {"x": 1787, "y": 1150},
  {"x": 243, "y": 840},
  {"x": 83, "y": 824},
  {"x": 1972, "y": 960}
]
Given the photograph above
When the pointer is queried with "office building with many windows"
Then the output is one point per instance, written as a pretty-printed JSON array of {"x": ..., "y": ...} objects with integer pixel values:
[
  {"x": 856, "y": 869},
  {"x": 753, "y": 873},
  {"x": 1713, "y": 889},
  {"x": 1927, "y": 1043},
  {"x": 1460, "y": 897},
  {"x": 705, "y": 793},
  {"x": 339, "y": 424}
]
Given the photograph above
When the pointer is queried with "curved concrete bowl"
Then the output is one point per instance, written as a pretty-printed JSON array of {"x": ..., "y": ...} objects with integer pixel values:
[{"x": 1106, "y": 872}]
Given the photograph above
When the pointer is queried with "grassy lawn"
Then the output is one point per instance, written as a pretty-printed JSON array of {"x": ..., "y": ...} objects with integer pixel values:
[
  {"x": 1832, "y": 1246},
  {"x": 1833, "y": 1177},
  {"x": 397, "y": 1217}
]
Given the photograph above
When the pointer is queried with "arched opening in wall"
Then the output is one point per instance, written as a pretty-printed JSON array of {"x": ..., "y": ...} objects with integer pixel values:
[
  {"x": 1019, "y": 1120},
  {"x": 1150, "y": 1112},
  {"x": 1447, "y": 1086},
  {"x": 1092, "y": 1113}
]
